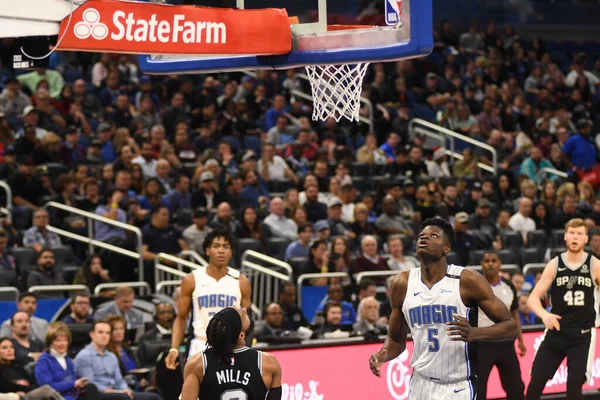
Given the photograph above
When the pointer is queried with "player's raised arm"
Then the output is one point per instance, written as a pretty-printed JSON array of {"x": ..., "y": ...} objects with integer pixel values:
[
  {"x": 539, "y": 291},
  {"x": 246, "y": 289},
  {"x": 473, "y": 287},
  {"x": 192, "y": 379},
  {"x": 395, "y": 342},
  {"x": 185, "y": 303},
  {"x": 271, "y": 366}
]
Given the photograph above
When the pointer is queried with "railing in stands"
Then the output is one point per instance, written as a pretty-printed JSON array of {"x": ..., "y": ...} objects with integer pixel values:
[
  {"x": 92, "y": 243},
  {"x": 533, "y": 268},
  {"x": 59, "y": 288},
  {"x": 544, "y": 172},
  {"x": 166, "y": 284},
  {"x": 9, "y": 289},
  {"x": 374, "y": 274},
  {"x": 9, "y": 195},
  {"x": 174, "y": 271},
  {"x": 193, "y": 256},
  {"x": 304, "y": 277},
  {"x": 510, "y": 268},
  {"x": 145, "y": 286},
  {"x": 441, "y": 134},
  {"x": 265, "y": 280}
]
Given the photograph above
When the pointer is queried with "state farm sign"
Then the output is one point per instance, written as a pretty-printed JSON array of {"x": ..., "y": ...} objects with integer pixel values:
[{"x": 148, "y": 28}]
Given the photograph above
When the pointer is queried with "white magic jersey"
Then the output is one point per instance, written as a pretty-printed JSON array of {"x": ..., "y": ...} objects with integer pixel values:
[
  {"x": 427, "y": 311},
  {"x": 211, "y": 296}
]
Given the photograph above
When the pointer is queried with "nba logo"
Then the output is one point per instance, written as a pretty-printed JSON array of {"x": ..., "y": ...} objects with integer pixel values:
[{"x": 393, "y": 12}]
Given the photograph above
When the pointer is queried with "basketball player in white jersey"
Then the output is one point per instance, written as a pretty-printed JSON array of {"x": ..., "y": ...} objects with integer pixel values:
[
  {"x": 208, "y": 290},
  {"x": 434, "y": 302}
]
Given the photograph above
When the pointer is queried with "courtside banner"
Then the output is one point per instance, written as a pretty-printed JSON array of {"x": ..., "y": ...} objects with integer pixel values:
[
  {"x": 342, "y": 373},
  {"x": 149, "y": 28}
]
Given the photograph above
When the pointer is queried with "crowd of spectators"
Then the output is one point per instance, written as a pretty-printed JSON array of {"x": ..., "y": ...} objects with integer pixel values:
[{"x": 179, "y": 155}]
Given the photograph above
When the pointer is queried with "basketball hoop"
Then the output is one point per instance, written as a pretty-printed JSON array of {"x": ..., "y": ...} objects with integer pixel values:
[{"x": 336, "y": 90}]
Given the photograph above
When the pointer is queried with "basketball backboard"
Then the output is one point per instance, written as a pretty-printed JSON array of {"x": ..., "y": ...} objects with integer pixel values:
[{"x": 327, "y": 32}]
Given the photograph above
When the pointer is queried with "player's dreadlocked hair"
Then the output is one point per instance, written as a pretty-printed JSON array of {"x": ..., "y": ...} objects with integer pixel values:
[
  {"x": 219, "y": 338},
  {"x": 442, "y": 224}
]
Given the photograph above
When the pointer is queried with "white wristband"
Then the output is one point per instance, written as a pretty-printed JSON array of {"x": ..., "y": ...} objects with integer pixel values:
[{"x": 173, "y": 349}]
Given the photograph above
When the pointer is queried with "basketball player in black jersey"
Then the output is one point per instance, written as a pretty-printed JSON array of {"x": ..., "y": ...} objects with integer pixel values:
[
  {"x": 227, "y": 369},
  {"x": 572, "y": 278}
]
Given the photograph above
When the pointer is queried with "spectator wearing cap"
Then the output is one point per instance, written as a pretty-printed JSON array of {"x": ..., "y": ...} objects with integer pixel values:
[
  {"x": 254, "y": 193},
  {"x": 272, "y": 167},
  {"x": 300, "y": 247},
  {"x": 533, "y": 164},
  {"x": 579, "y": 151},
  {"x": 369, "y": 153},
  {"x": 389, "y": 222},
  {"x": 146, "y": 160},
  {"x": 322, "y": 231},
  {"x": 179, "y": 197},
  {"x": 31, "y": 119},
  {"x": 277, "y": 222},
  {"x": 334, "y": 219},
  {"x": 206, "y": 196},
  {"x": 28, "y": 189},
  {"x": 104, "y": 134},
  {"x": 521, "y": 221},
  {"x": 390, "y": 146},
  {"x": 194, "y": 234},
  {"x": 463, "y": 242},
  {"x": 369, "y": 260},
  {"x": 12, "y": 99},
  {"x": 70, "y": 150},
  {"x": 438, "y": 167}
]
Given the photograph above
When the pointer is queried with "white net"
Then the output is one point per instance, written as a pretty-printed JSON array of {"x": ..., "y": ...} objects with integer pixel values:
[{"x": 336, "y": 90}]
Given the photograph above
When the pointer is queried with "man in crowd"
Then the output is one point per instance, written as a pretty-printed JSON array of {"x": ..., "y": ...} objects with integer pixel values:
[
  {"x": 367, "y": 321},
  {"x": 194, "y": 234},
  {"x": 28, "y": 303},
  {"x": 27, "y": 349},
  {"x": 389, "y": 222},
  {"x": 101, "y": 367},
  {"x": 160, "y": 237},
  {"x": 80, "y": 310},
  {"x": 164, "y": 314},
  {"x": 38, "y": 237},
  {"x": 179, "y": 198},
  {"x": 122, "y": 305},
  {"x": 292, "y": 314},
  {"x": 522, "y": 221},
  {"x": 398, "y": 261},
  {"x": 146, "y": 160},
  {"x": 300, "y": 247},
  {"x": 369, "y": 260},
  {"x": 46, "y": 274},
  {"x": 207, "y": 196},
  {"x": 278, "y": 223},
  {"x": 335, "y": 293},
  {"x": 272, "y": 328}
]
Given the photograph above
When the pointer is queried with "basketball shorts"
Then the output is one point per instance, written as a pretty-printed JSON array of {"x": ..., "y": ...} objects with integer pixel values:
[{"x": 421, "y": 388}]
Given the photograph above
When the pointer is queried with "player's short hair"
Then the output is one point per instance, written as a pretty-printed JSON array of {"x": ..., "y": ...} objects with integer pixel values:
[
  {"x": 442, "y": 224},
  {"x": 576, "y": 223},
  {"x": 219, "y": 231}
]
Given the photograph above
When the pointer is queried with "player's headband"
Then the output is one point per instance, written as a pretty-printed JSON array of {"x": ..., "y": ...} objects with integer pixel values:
[{"x": 231, "y": 318}]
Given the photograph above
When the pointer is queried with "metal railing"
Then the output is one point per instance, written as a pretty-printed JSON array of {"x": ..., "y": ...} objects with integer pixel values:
[
  {"x": 193, "y": 257},
  {"x": 533, "y": 268},
  {"x": 265, "y": 280},
  {"x": 10, "y": 289},
  {"x": 59, "y": 288},
  {"x": 377, "y": 274},
  {"x": 166, "y": 284},
  {"x": 92, "y": 243},
  {"x": 305, "y": 277},
  {"x": 542, "y": 173},
  {"x": 442, "y": 135},
  {"x": 510, "y": 268},
  {"x": 174, "y": 271},
  {"x": 115, "y": 285},
  {"x": 9, "y": 196}
]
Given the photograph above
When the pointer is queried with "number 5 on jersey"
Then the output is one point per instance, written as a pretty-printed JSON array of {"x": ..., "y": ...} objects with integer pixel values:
[
  {"x": 576, "y": 298},
  {"x": 434, "y": 342}
]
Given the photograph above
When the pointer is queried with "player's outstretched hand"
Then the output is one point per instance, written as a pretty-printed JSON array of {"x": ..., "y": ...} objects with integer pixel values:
[
  {"x": 552, "y": 321},
  {"x": 459, "y": 329},
  {"x": 376, "y": 361},
  {"x": 171, "y": 360}
]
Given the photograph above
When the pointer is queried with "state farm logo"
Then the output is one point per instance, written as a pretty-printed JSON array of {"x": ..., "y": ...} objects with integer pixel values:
[
  {"x": 91, "y": 26},
  {"x": 398, "y": 377},
  {"x": 132, "y": 27}
]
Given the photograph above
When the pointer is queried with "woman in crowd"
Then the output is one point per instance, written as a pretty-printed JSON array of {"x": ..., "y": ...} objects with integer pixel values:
[
  {"x": 56, "y": 369},
  {"x": 548, "y": 194},
  {"x": 105, "y": 180},
  {"x": 587, "y": 197},
  {"x": 92, "y": 274},
  {"x": 249, "y": 226},
  {"x": 299, "y": 216},
  {"x": 15, "y": 379},
  {"x": 127, "y": 358},
  {"x": 291, "y": 201},
  {"x": 361, "y": 226},
  {"x": 137, "y": 178},
  {"x": 542, "y": 217},
  {"x": 152, "y": 196}
]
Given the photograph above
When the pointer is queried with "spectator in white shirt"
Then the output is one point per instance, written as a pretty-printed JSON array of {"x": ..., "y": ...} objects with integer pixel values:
[
  {"x": 521, "y": 221},
  {"x": 577, "y": 70},
  {"x": 398, "y": 261},
  {"x": 273, "y": 167},
  {"x": 146, "y": 160},
  {"x": 346, "y": 196},
  {"x": 280, "y": 225},
  {"x": 438, "y": 167},
  {"x": 309, "y": 180}
]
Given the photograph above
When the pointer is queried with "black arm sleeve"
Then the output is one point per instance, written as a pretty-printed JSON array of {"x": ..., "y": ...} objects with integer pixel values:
[{"x": 274, "y": 393}]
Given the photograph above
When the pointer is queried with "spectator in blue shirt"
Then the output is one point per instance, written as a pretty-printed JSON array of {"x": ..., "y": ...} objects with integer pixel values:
[
  {"x": 103, "y": 134},
  {"x": 101, "y": 367},
  {"x": 254, "y": 193},
  {"x": 390, "y": 146},
  {"x": 179, "y": 198},
  {"x": 579, "y": 151},
  {"x": 300, "y": 247},
  {"x": 274, "y": 112},
  {"x": 56, "y": 369},
  {"x": 335, "y": 293},
  {"x": 526, "y": 316}
]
